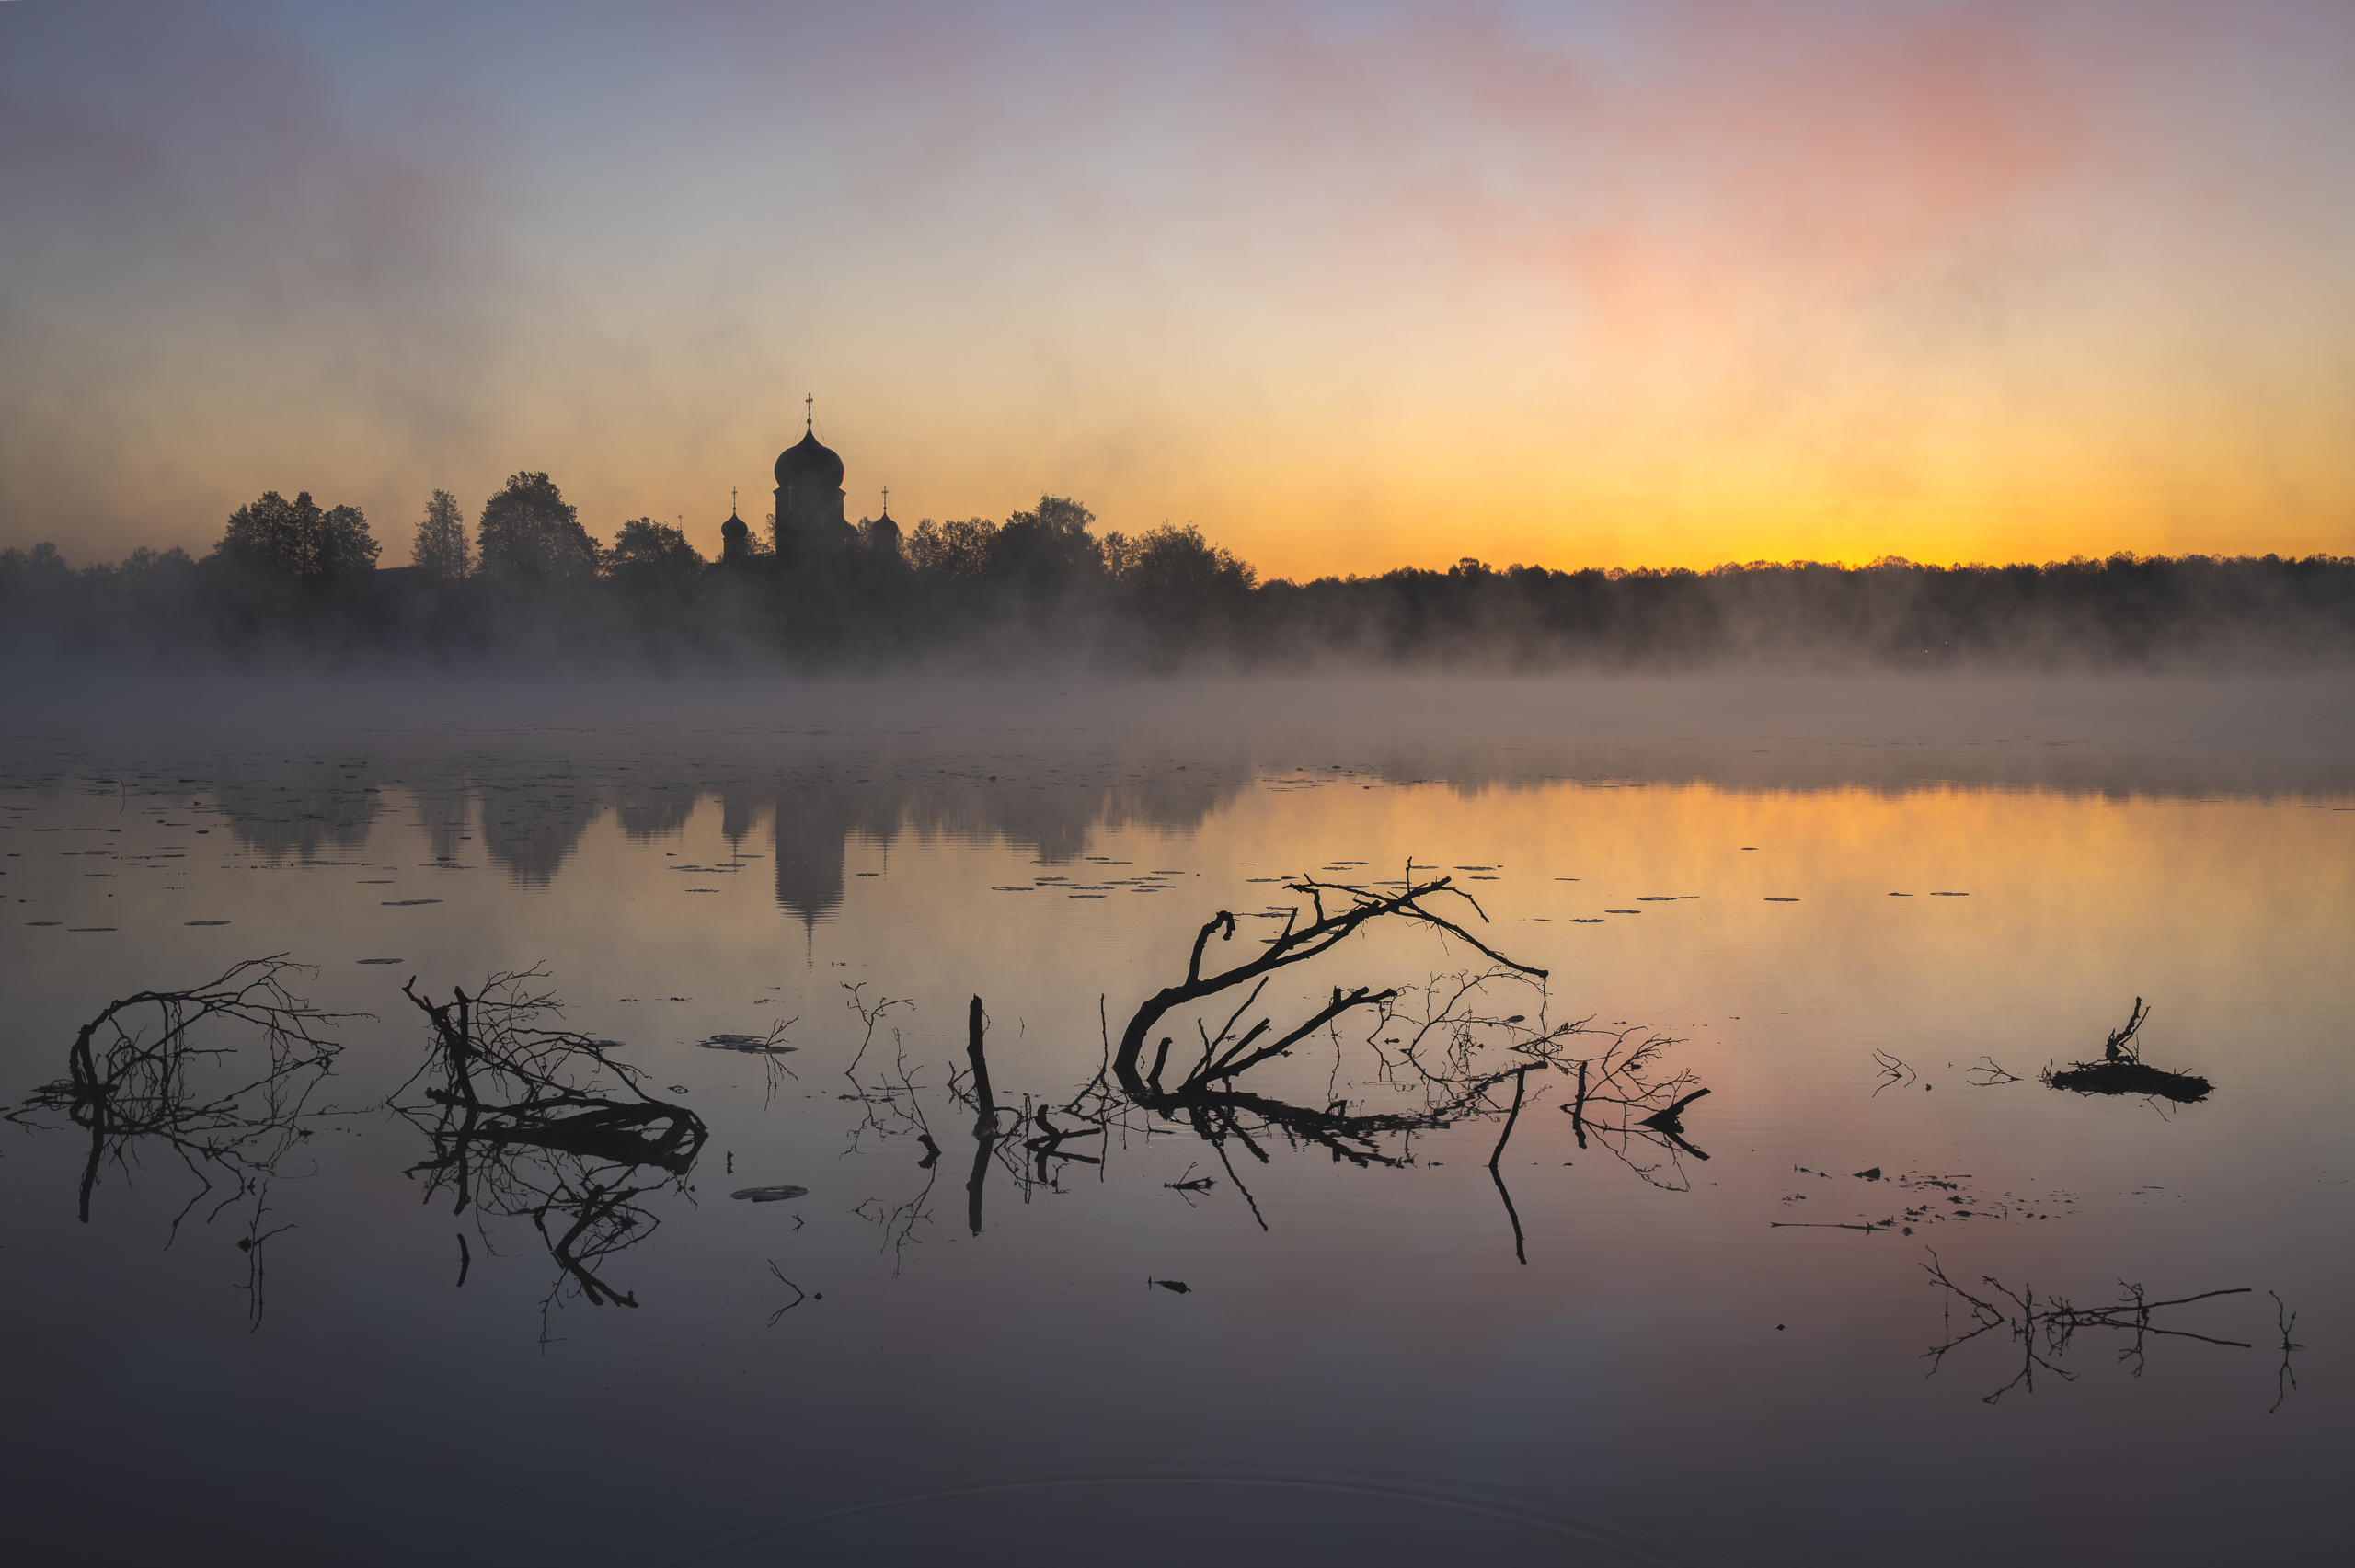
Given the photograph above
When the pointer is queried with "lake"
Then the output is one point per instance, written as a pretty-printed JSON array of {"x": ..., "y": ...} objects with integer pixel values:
[{"x": 730, "y": 1229}]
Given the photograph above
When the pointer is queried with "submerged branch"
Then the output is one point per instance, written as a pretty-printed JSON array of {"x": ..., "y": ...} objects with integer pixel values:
[{"x": 531, "y": 1122}]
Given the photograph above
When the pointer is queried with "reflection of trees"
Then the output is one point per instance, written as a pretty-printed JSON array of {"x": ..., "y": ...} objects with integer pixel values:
[
  {"x": 1052, "y": 819},
  {"x": 442, "y": 812},
  {"x": 537, "y": 1123},
  {"x": 653, "y": 810},
  {"x": 531, "y": 826},
  {"x": 300, "y": 818},
  {"x": 227, "y": 1118},
  {"x": 531, "y": 817},
  {"x": 814, "y": 820}
]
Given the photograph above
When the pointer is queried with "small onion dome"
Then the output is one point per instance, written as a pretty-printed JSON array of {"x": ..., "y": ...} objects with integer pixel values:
[
  {"x": 734, "y": 528},
  {"x": 808, "y": 462}
]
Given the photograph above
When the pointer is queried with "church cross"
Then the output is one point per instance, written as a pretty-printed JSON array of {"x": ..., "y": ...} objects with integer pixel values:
[{"x": 809, "y": 415}]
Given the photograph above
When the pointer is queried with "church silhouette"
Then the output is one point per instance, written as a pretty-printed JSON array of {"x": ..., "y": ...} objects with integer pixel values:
[{"x": 810, "y": 528}]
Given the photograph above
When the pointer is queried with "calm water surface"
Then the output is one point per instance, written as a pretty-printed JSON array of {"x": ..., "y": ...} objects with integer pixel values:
[{"x": 319, "y": 1313}]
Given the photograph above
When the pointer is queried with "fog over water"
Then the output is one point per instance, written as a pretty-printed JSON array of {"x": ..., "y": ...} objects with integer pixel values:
[
  {"x": 773, "y": 1244},
  {"x": 1742, "y": 729}
]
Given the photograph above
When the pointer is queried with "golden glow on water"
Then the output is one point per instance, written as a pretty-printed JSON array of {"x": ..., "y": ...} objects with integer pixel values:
[{"x": 2207, "y": 906}]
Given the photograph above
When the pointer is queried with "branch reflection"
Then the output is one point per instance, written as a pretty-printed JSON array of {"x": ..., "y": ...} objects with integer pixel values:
[
  {"x": 527, "y": 1121},
  {"x": 225, "y": 1117},
  {"x": 1456, "y": 1048}
]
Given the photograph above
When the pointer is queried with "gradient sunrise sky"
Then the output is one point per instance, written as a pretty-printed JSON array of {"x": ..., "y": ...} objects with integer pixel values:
[{"x": 1350, "y": 286}]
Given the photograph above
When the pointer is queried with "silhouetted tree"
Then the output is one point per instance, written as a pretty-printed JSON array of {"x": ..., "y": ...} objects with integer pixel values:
[
  {"x": 653, "y": 557},
  {"x": 440, "y": 549},
  {"x": 27, "y": 568},
  {"x": 1177, "y": 564},
  {"x": 952, "y": 549},
  {"x": 528, "y": 531},
  {"x": 1042, "y": 585},
  {"x": 297, "y": 540},
  {"x": 147, "y": 570},
  {"x": 152, "y": 587},
  {"x": 1047, "y": 549}
]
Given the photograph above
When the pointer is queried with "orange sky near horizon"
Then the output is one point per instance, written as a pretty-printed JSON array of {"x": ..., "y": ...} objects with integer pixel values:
[{"x": 1349, "y": 287}]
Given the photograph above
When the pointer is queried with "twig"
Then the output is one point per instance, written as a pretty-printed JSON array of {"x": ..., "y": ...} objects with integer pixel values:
[{"x": 799, "y": 1295}]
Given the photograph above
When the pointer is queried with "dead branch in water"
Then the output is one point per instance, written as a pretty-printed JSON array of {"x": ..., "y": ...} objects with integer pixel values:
[
  {"x": 224, "y": 1115},
  {"x": 2285, "y": 1378},
  {"x": 1447, "y": 1034},
  {"x": 2121, "y": 1046},
  {"x": 1624, "y": 1108},
  {"x": 1449, "y": 1045},
  {"x": 871, "y": 1013},
  {"x": 1206, "y": 1099},
  {"x": 1295, "y": 945},
  {"x": 1894, "y": 1072},
  {"x": 516, "y": 1082},
  {"x": 1988, "y": 1073},
  {"x": 123, "y": 1084},
  {"x": 538, "y": 1123},
  {"x": 2044, "y": 1331},
  {"x": 1513, "y": 1119},
  {"x": 2121, "y": 1069}
]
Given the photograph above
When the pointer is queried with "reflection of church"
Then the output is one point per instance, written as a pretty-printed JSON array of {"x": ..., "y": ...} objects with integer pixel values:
[{"x": 810, "y": 524}]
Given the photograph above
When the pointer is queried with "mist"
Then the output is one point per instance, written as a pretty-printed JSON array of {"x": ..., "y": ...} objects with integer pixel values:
[{"x": 293, "y": 586}]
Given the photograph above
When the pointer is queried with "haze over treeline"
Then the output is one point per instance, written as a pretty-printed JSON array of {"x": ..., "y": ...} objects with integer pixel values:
[{"x": 291, "y": 580}]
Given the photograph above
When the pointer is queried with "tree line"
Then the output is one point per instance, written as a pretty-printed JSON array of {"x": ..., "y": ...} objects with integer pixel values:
[{"x": 529, "y": 581}]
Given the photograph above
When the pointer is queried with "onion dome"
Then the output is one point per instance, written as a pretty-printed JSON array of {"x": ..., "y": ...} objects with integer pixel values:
[
  {"x": 808, "y": 462},
  {"x": 735, "y": 528}
]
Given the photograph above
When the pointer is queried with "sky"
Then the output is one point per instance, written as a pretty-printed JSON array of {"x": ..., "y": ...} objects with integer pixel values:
[{"x": 1349, "y": 287}]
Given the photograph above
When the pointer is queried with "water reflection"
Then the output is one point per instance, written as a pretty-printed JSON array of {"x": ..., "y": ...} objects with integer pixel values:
[
  {"x": 531, "y": 825},
  {"x": 1455, "y": 1046},
  {"x": 525, "y": 1120},
  {"x": 300, "y": 821},
  {"x": 443, "y": 807},
  {"x": 2042, "y": 1329},
  {"x": 529, "y": 1120},
  {"x": 227, "y": 1118},
  {"x": 649, "y": 810},
  {"x": 1380, "y": 1327},
  {"x": 532, "y": 1122},
  {"x": 530, "y": 819},
  {"x": 2122, "y": 1071}
]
